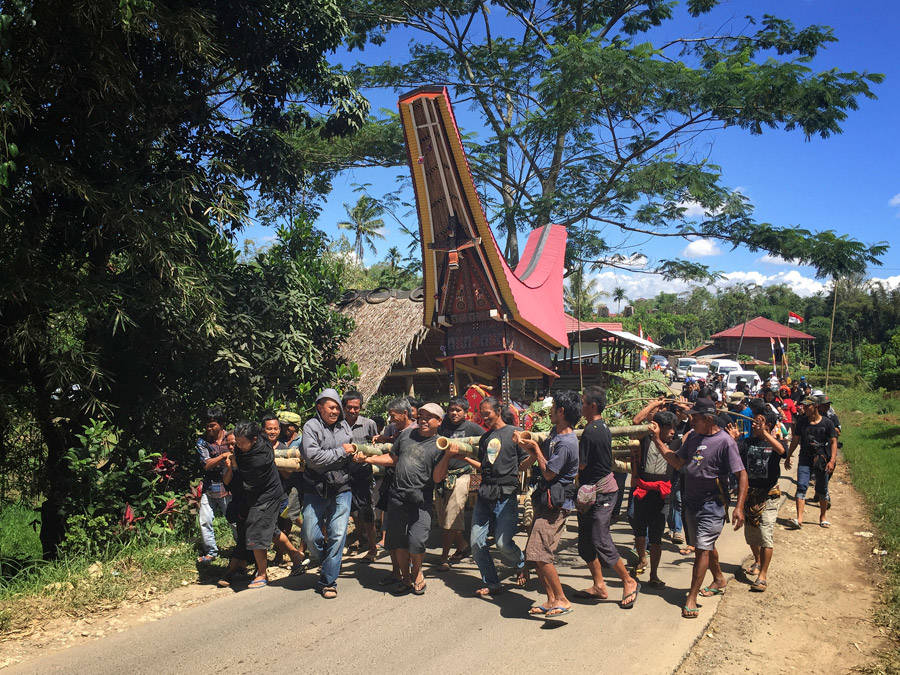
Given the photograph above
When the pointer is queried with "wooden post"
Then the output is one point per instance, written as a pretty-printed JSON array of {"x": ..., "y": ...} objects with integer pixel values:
[{"x": 831, "y": 333}]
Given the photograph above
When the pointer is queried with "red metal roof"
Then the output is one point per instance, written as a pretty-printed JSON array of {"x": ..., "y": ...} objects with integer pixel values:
[
  {"x": 572, "y": 324},
  {"x": 761, "y": 327}
]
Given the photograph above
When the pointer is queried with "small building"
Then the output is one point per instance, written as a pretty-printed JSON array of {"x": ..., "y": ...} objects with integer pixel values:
[{"x": 753, "y": 338}]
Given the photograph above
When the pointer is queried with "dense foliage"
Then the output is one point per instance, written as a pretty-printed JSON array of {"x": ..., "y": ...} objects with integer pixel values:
[
  {"x": 593, "y": 113},
  {"x": 135, "y": 138}
]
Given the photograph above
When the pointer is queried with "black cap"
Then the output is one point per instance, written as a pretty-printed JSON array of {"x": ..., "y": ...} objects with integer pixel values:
[{"x": 703, "y": 406}]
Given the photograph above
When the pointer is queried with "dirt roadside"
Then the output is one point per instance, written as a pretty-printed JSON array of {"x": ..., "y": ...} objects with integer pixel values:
[{"x": 817, "y": 614}]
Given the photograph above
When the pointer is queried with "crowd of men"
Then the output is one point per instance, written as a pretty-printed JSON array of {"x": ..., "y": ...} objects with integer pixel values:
[{"x": 703, "y": 450}]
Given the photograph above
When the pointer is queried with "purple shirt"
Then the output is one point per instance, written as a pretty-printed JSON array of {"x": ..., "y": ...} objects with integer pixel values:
[{"x": 708, "y": 458}]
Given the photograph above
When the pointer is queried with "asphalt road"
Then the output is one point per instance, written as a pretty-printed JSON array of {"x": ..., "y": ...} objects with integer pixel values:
[{"x": 287, "y": 627}]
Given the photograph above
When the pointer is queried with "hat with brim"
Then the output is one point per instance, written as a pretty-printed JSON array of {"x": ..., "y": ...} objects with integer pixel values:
[
  {"x": 808, "y": 401},
  {"x": 288, "y": 417},
  {"x": 703, "y": 406},
  {"x": 736, "y": 397},
  {"x": 822, "y": 399},
  {"x": 432, "y": 409}
]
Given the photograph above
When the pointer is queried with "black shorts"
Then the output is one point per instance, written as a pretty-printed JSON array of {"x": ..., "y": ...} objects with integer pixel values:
[
  {"x": 260, "y": 524},
  {"x": 406, "y": 527},
  {"x": 594, "y": 537},
  {"x": 361, "y": 500},
  {"x": 649, "y": 518}
]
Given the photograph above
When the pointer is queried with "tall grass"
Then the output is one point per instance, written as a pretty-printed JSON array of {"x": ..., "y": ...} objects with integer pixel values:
[
  {"x": 871, "y": 444},
  {"x": 32, "y": 589}
]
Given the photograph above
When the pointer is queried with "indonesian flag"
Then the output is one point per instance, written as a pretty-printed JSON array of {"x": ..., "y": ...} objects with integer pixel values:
[{"x": 794, "y": 318}]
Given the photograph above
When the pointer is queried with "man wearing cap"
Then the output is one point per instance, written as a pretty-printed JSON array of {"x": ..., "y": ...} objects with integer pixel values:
[
  {"x": 418, "y": 466},
  {"x": 817, "y": 439},
  {"x": 326, "y": 448},
  {"x": 706, "y": 458},
  {"x": 740, "y": 412}
]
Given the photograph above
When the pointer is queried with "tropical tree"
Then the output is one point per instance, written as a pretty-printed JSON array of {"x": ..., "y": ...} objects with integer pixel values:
[
  {"x": 135, "y": 139},
  {"x": 581, "y": 295},
  {"x": 618, "y": 295},
  {"x": 594, "y": 112},
  {"x": 365, "y": 224}
]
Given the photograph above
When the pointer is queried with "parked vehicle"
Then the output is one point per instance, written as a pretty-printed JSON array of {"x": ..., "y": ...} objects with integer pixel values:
[
  {"x": 698, "y": 371},
  {"x": 659, "y": 359},
  {"x": 723, "y": 366},
  {"x": 681, "y": 368},
  {"x": 751, "y": 376}
]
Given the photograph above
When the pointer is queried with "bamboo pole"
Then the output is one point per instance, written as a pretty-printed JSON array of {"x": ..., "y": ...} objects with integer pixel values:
[
  {"x": 372, "y": 449},
  {"x": 467, "y": 449},
  {"x": 288, "y": 453},
  {"x": 289, "y": 464}
]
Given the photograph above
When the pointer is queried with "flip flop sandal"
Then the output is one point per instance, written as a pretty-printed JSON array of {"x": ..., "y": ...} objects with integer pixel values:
[
  {"x": 297, "y": 569},
  {"x": 389, "y": 580},
  {"x": 419, "y": 590},
  {"x": 656, "y": 583},
  {"x": 258, "y": 583},
  {"x": 206, "y": 559},
  {"x": 329, "y": 592},
  {"x": 758, "y": 586},
  {"x": 555, "y": 612},
  {"x": 633, "y": 595},
  {"x": 753, "y": 569},
  {"x": 443, "y": 566},
  {"x": 710, "y": 591},
  {"x": 538, "y": 610},
  {"x": 522, "y": 578},
  {"x": 401, "y": 588},
  {"x": 370, "y": 557},
  {"x": 485, "y": 591},
  {"x": 825, "y": 524},
  {"x": 688, "y": 613}
]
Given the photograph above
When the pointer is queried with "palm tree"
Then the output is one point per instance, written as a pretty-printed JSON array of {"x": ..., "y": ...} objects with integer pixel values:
[
  {"x": 581, "y": 297},
  {"x": 393, "y": 258},
  {"x": 364, "y": 223},
  {"x": 618, "y": 295}
]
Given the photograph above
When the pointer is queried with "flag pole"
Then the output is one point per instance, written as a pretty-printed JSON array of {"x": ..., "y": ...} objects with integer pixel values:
[{"x": 831, "y": 332}]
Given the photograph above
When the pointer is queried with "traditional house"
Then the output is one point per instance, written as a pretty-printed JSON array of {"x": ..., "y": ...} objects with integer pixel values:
[{"x": 753, "y": 338}]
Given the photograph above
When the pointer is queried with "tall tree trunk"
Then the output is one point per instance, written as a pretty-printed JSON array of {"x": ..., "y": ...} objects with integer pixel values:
[{"x": 55, "y": 477}]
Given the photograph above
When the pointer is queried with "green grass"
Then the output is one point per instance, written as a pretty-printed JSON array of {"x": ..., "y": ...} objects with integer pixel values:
[
  {"x": 32, "y": 590},
  {"x": 871, "y": 445}
]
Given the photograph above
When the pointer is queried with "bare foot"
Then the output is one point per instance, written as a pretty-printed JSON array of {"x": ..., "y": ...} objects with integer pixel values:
[{"x": 598, "y": 592}]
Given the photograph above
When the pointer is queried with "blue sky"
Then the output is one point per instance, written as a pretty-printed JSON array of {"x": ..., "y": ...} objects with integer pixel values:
[{"x": 849, "y": 183}]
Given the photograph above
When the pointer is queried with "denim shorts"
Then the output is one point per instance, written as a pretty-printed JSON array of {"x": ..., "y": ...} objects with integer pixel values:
[
  {"x": 703, "y": 524},
  {"x": 804, "y": 471}
]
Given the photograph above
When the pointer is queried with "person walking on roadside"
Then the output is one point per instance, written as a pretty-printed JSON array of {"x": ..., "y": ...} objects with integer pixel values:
[
  {"x": 362, "y": 481},
  {"x": 706, "y": 458},
  {"x": 452, "y": 493},
  {"x": 554, "y": 497},
  {"x": 500, "y": 459},
  {"x": 418, "y": 466},
  {"x": 761, "y": 454},
  {"x": 595, "y": 463},
  {"x": 817, "y": 438},
  {"x": 213, "y": 454},
  {"x": 326, "y": 448},
  {"x": 262, "y": 495},
  {"x": 652, "y": 480}
]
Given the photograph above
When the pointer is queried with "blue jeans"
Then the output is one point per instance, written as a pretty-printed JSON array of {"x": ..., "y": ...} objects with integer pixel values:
[
  {"x": 334, "y": 514},
  {"x": 674, "y": 520},
  {"x": 804, "y": 471},
  {"x": 206, "y": 512},
  {"x": 505, "y": 516}
]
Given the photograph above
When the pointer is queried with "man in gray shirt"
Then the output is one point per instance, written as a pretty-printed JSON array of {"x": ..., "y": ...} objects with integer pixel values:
[{"x": 326, "y": 450}]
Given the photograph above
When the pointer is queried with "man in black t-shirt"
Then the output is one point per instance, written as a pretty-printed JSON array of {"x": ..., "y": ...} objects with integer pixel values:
[
  {"x": 595, "y": 464},
  {"x": 761, "y": 454},
  {"x": 499, "y": 460},
  {"x": 418, "y": 466},
  {"x": 453, "y": 492},
  {"x": 817, "y": 439}
]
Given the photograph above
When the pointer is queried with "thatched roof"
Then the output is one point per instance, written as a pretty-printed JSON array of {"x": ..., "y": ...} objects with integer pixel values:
[{"x": 386, "y": 332}]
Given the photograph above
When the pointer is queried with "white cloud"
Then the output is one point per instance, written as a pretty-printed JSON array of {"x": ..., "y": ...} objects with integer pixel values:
[
  {"x": 692, "y": 209},
  {"x": 649, "y": 285},
  {"x": 701, "y": 248},
  {"x": 770, "y": 259},
  {"x": 895, "y": 201},
  {"x": 888, "y": 282}
]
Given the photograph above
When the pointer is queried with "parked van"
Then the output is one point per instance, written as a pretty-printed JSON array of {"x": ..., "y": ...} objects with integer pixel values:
[
  {"x": 751, "y": 376},
  {"x": 723, "y": 366}
]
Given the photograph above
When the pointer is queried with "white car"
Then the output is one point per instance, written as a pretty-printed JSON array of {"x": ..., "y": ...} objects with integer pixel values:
[
  {"x": 698, "y": 371},
  {"x": 751, "y": 376},
  {"x": 681, "y": 368}
]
